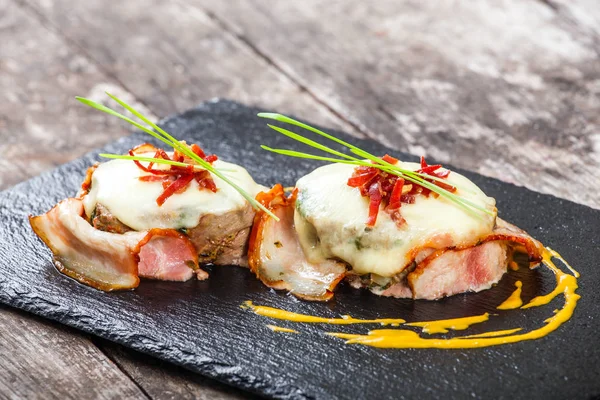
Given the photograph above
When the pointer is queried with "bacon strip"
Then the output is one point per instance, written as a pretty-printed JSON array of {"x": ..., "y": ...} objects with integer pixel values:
[
  {"x": 109, "y": 261},
  {"x": 99, "y": 259},
  {"x": 277, "y": 259}
]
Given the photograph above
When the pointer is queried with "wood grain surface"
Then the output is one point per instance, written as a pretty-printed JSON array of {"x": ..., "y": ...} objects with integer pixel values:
[
  {"x": 510, "y": 89},
  {"x": 44, "y": 360},
  {"x": 162, "y": 380}
]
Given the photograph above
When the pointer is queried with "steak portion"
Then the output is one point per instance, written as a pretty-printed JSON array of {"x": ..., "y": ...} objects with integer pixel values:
[
  {"x": 218, "y": 239},
  {"x": 103, "y": 220},
  {"x": 223, "y": 239}
]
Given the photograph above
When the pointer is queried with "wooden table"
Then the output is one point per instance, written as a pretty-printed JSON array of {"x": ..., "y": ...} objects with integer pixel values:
[{"x": 510, "y": 89}]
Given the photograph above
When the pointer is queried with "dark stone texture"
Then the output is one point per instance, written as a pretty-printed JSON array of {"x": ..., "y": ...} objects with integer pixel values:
[{"x": 200, "y": 325}]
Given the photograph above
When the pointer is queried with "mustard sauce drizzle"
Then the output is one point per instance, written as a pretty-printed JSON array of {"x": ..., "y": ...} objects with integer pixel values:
[
  {"x": 295, "y": 317},
  {"x": 566, "y": 285},
  {"x": 276, "y": 328},
  {"x": 442, "y": 325},
  {"x": 494, "y": 333},
  {"x": 514, "y": 301}
]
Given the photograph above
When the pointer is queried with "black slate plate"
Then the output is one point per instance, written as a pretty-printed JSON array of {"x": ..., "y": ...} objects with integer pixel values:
[{"x": 201, "y": 326}]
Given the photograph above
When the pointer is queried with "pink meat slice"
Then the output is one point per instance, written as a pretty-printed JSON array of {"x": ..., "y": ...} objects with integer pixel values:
[
  {"x": 168, "y": 256},
  {"x": 459, "y": 271}
]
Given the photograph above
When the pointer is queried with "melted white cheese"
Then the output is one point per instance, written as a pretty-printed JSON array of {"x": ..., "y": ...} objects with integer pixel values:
[
  {"x": 116, "y": 186},
  {"x": 330, "y": 220}
]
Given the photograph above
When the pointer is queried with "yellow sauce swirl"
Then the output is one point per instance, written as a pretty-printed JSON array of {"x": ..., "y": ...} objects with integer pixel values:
[
  {"x": 494, "y": 333},
  {"x": 276, "y": 328},
  {"x": 566, "y": 285},
  {"x": 514, "y": 301},
  {"x": 276, "y": 313},
  {"x": 457, "y": 324}
]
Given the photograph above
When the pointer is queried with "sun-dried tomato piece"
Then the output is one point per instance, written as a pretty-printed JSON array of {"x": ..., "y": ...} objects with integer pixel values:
[
  {"x": 408, "y": 198},
  {"x": 153, "y": 178},
  {"x": 396, "y": 216},
  {"x": 396, "y": 197},
  {"x": 390, "y": 159},
  {"x": 445, "y": 186},
  {"x": 429, "y": 169},
  {"x": 363, "y": 178},
  {"x": 198, "y": 151},
  {"x": 211, "y": 158},
  {"x": 181, "y": 182},
  {"x": 391, "y": 190},
  {"x": 205, "y": 181},
  {"x": 375, "y": 201},
  {"x": 176, "y": 178}
]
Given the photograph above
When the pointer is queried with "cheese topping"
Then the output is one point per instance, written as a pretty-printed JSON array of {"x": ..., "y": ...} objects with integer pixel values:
[
  {"x": 330, "y": 220},
  {"x": 116, "y": 186}
]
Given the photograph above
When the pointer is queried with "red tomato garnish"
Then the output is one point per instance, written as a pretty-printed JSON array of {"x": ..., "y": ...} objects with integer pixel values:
[
  {"x": 205, "y": 181},
  {"x": 375, "y": 198},
  {"x": 198, "y": 151},
  {"x": 153, "y": 178},
  {"x": 210, "y": 158},
  {"x": 180, "y": 183},
  {"x": 176, "y": 178},
  {"x": 390, "y": 159},
  {"x": 382, "y": 187},
  {"x": 396, "y": 198}
]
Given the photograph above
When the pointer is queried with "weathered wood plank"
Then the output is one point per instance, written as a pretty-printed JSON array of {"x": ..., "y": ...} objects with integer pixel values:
[
  {"x": 162, "y": 380},
  {"x": 43, "y": 360},
  {"x": 41, "y": 124},
  {"x": 172, "y": 57},
  {"x": 505, "y": 89}
]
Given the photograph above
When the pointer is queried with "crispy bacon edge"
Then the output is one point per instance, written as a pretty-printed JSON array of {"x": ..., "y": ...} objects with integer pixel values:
[
  {"x": 105, "y": 287},
  {"x": 86, "y": 185},
  {"x": 273, "y": 200}
]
